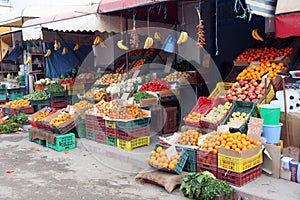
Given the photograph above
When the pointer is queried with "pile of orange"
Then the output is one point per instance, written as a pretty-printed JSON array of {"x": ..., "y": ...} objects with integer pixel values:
[
  {"x": 194, "y": 117},
  {"x": 189, "y": 137},
  {"x": 159, "y": 159},
  {"x": 18, "y": 103},
  {"x": 42, "y": 115},
  {"x": 255, "y": 72},
  {"x": 236, "y": 141},
  {"x": 60, "y": 119},
  {"x": 210, "y": 144}
]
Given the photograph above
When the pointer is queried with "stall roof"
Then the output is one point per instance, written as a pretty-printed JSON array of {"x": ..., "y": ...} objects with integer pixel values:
[{"x": 17, "y": 18}]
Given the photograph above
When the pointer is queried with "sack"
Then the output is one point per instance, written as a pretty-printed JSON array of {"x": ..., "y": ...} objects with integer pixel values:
[{"x": 265, "y": 8}]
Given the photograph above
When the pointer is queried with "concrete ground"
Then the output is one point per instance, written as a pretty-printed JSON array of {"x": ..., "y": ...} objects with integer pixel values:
[{"x": 97, "y": 171}]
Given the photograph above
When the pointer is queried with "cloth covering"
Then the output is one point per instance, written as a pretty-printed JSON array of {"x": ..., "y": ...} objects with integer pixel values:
[{"x": 41, "y": 134}]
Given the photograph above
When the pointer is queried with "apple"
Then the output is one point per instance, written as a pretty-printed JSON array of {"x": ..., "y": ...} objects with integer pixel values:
[
  {"x": 247, "y": 99},
  {"x": 247, "y": 86},
  {"x": 243, "y": 97},
  {"x": 245, "y": 92},
  {"x": 255, "y": 84},
  {"x": 244, "y": 88},
  {"x": 254, "y": 100},
  {"x": 262, "y": 92},
  {"x": 234, "y": 98},
  {"x": 233, "y": 93},
  {"x": 257, "y": 92},
  {"x": 259, "y": 96}
]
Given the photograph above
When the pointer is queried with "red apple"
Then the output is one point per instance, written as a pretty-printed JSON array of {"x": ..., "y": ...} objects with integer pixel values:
[
  {"x": 247, "y": 99},
  {"x": 243, "y": 97},
  {"x": 254, "y": 100},
  {"x": 262, "y": 92},
  {"x": 259, "y": 96}
]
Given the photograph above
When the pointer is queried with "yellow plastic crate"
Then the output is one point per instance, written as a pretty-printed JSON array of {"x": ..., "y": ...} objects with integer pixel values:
[
  {"x": 110, "y": 124},
  {"x": 75, "y": 86},
  {"x": 220, "y": 90},
  {"x": 239, "y": 164},
  {"x": 134, "y": 143},
  {"x": 269, "y": 97}
]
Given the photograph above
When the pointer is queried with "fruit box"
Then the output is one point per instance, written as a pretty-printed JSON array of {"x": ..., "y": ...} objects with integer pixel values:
[
  {"x": 31, "y": 117},
  {"x": 171, "y": 92},
  {"x": 242, "y": 154},
  {"x": 220, "y": 90},
  {"x": 148, "y": 102}
]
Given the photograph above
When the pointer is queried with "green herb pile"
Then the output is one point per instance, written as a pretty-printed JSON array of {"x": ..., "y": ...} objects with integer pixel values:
[
  {"x": 20, "y": 118},
  {"x": 204, "y": 186},
  {"x": 55, "y": 88},
  {"x": 9, "y": 127},
  {"x": 142, "y": 95},
  {"x": 38, "y": 95}
]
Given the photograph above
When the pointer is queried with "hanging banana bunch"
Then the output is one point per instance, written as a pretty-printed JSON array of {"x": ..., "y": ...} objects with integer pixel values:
[
  {"x": 76, "y": 47},
  {"x": 122, "y": 46},
  {"x": 57, "y": 45},
  {"x": 157, "y": 36},
  {"x": 256, "y": 35},
  {"x": 64, "y": 51},
  {"x": 183, "y": 37},
  {"x": 48, "y": 53},
  {"x": 98, "y": 40},
  {"x": 148, "y": 43},
  {"x": 28, "y": 60}
]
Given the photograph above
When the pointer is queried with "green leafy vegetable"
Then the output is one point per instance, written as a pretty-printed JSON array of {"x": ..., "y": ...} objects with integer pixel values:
[{"x": 142, "y": 95}]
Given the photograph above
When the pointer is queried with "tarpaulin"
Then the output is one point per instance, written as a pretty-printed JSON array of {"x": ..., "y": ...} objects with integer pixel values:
[
  {"x": 57, "y": 64},
  {"x": 13, "y": 55}
]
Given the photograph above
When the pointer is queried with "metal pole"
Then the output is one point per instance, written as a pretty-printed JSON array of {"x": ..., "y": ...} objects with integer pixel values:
[{"x": 285, "y": 113}]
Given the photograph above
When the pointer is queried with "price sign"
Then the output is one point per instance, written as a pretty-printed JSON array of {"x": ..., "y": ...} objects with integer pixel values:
[
  {"x": 72, "y": 110},
  {"x": 6, "y": 117},
  {"x": 171, "y": 151},
  {"x": 130, "y": 100},
  {"x": 175, "y": 138},
  {"x": 236, "y": 124},
  {"x": 135, "y": 74},
  {"x": 279, "y": 58},
  {"x": 254, "y": 130},
  {"x": 95, "y": 110},
  {"x": 223, "y": 128},
  {"x": 256, "y": 120},
  {"x": 48, "y": 109},
  {"x": 154, "y": 75},
  {"x": 254, "y": 63},
  {"x": 125, "y": 96}
]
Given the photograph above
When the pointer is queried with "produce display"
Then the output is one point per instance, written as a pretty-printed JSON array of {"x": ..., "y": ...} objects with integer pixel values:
[
  {"x": 94, "y": 93},
  {"x": 181, "y": 77},
  {"x": 263, "y": 55},
  {"x": 55, "y": 88},
  {"x": 137, "y": 65},
  {"x": 238, "y": 116},
  {"x": 211, "y": 142},
  {"x": 108, "y": 79},
  {"x": 155, "y": 85},
  {"x": 159, "y": 159},
  {"x": 104, "y": 108},
  {"x": 38, "y": 95},
  {"x": 61, "y": 118},
  {"x": 255, "y": 72},
  {"x": 142, "y": 95},
  {"x": 246, "y": 90},
  {"x": 43, "y": 114},
  {"x": 43, "y": 82},
  {"x": 217, "y": 113},
  {"x": 194, "y": 117},
  {"x": 18, "y": 103},
  {"x": 82, "y": 105},
  {"x": 9, "y": 126},
  {"x": 86, "y": 76},
  {"x": 20, "y": 118},
  {"x": 127, "y": 112},
  {"x": 189, "y": 137},
  {"x": 204, "y": 185},
  {"x": 67, "y": 81}
]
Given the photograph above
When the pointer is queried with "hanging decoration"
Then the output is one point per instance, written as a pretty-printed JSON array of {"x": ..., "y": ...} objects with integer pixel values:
[
  {"x": 183, "y": 35},
  {"x": 149, "y": 41},
  {"x": 200, "y": 27},
  {"x": 134, "y": 37},
  {"x": 120, "y": 42}
]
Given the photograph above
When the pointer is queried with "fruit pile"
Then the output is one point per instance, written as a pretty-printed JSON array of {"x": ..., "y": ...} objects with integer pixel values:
[
  {"x": 189, "y": 137},
  {"x": 217, "y": 113},
  {"x": 108, "y": 79},
  {"x": 127, "y": 112},
  {"x": 104, "y": 108},
  {"x": 18, "y": 103},
  {"x": 211, "y": 142},
  {"x": 255, "y": 72},
  {"x": 63, "y": 117},
  {"x": 155, "y": 85},
  {"x": 236, "y": 141},
  {"x": 246, "y": 90},
  {"x": 43, "y": 114},
  {"x": 194, "y": 117},
  {"x": 159, "y": 159},
  {"x": 263, "y": 55},
  {"x": 83, "y": 104},
  {"x": 238, "y": 116}
]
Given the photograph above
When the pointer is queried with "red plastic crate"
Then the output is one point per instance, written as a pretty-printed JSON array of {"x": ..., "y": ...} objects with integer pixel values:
[
  {"x": 25, "y": 110},
  {"x": 46, "y": 127},
  {"x": 99, "y": 129},
  {"x": 89, "y": 127},
  {"x": 33, "y": 124},
  {"x": 239, "y": 179},
  {"x": 206, "y": 167},
  {"x": 97, "y": 120},
  {"x": 59, "y": 104},
  {"x": 101, "y": 138},
  {"x": 90, "y": 118},
  {"x": 170, "y": 125},
  {"x": 135, "y": 133},
  {"x": 208, "y": 158},
  {"x": 111, "y": 132}
]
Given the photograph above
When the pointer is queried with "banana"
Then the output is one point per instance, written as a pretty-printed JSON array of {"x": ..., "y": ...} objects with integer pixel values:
[
  {"x": 121, "y": 45},
  {"x": 183, "y": 37},
  {"x": 256, "y": 36},
  {"x": 28, "y": 60},
  {"x": 103, "y": 45},
  {"x": 64, "y": 51},
  {"x": 98, "y": 40},
  {"x": 76, "y": 47},
  {"x": 157, "y": 35},
  {"x": 148, "y": 43},
  {"x": 57, "y": 45},
  {"x": 48, "y": 53}
]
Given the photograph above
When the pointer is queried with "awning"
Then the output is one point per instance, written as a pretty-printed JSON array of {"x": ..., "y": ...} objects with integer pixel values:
[
  {"x": 5, "y": 37},
  {"x": 17, "y": 18},
  {"x": 287, "y": 18},
  {"x": 106, "y": 6},
  {"x": 84, "y": 19}
]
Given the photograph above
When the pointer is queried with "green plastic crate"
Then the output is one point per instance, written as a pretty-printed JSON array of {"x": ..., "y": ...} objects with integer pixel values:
[
  {"x": 111, "y": 141},
  {"x": 63, "y": 142},
  {"x": 15, "y": 96},
  {"x": 90, "y": 136},
  {"x": 133, "y": 124},
  {"x": 38, "y": 141},
  {"x": 190, "y": 166},
  {"x": 79, "y": 130}
]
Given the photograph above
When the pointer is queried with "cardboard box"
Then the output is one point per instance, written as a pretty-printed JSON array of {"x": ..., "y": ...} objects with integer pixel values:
[
  {"x": 293, "y": 119},
  {"x": 290, "y": 169},
  {"x": 243, "y": 154},
  {"x": 171, "y": 92},
  {"x": 293, "y": 152},
  {"x": 271, "y": 160},
  {"x": 148, "y": 102}
]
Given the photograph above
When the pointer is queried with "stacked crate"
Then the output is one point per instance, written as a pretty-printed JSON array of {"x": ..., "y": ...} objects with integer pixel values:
[
  {"x": 111, "y": 132},
  {"x": 207, "y": 161},
  {"x": 59, "y": 100},
  {"x": 3, "y": 95},
  {"x": 95, "y": 128},
  {"x": 73, "y": 91}
]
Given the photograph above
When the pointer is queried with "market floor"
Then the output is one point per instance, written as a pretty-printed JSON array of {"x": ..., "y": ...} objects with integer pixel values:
[{"x": 95, "y": 171}]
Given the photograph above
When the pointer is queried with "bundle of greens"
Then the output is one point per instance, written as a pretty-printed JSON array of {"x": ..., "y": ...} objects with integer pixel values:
[{"x": 203, "y": 185}]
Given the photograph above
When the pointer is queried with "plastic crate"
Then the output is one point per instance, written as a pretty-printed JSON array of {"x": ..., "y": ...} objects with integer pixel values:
[
  {"x": 112, "y": 132},
  {"x": 110, "y": 124},
  {"x": 80, "y": 130},
  {"x": 58, "y": 94},
  {"x": 133, "y": 124},
  {"x": 203, "y": 106},
  {"x": 235, "y": 71},
  {"x": 170, "y": 125},
  {"x": 45, "y": 126},
  {"x": 207, "y": 158},
  {"x": 75, "y": 92},
  {"x": 89, "y": 127},
  {"x": 73, "y": 99},
  {"x": 3, "y": 97},
  {"x": 134, "y": 143},
  {"x": 135, "y": 133},
  {"x": 239, "y": 164},
  {"x": 220, "y": 90},
  {"x": 241, "y": 106},
  {"x": 33, "y": 123},
  {"x": 207, "y": 167},
  {"x": 40, "y": 102},
  {"x": 240, "y": 179},
  {"x": 59, "y": 104},
  {"x": 75, "y": 86},
  {"x": 40, "y": 107},
  {"x": 25, "y": 110},
  {"x": 190, "y": 166},
  {"x": 59, "y": 99},
  {"x": 90, "y": 136},
  {"x": 100, "y": 137},
  {"x": 111, "y": 141},
  {"x": 15, "y": 96},
  {"x": 38, "y": 141},
  {"x": 180, "y": 164},
  {"x": 270, "y": 96},
  {"x": 99, "y": 129},
  {"x": 63, "y": 142}
]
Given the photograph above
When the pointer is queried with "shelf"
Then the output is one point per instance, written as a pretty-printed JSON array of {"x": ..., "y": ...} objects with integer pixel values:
[
  {"x": 9, "y": 71},
  {"x": 36, "y": 54}
]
